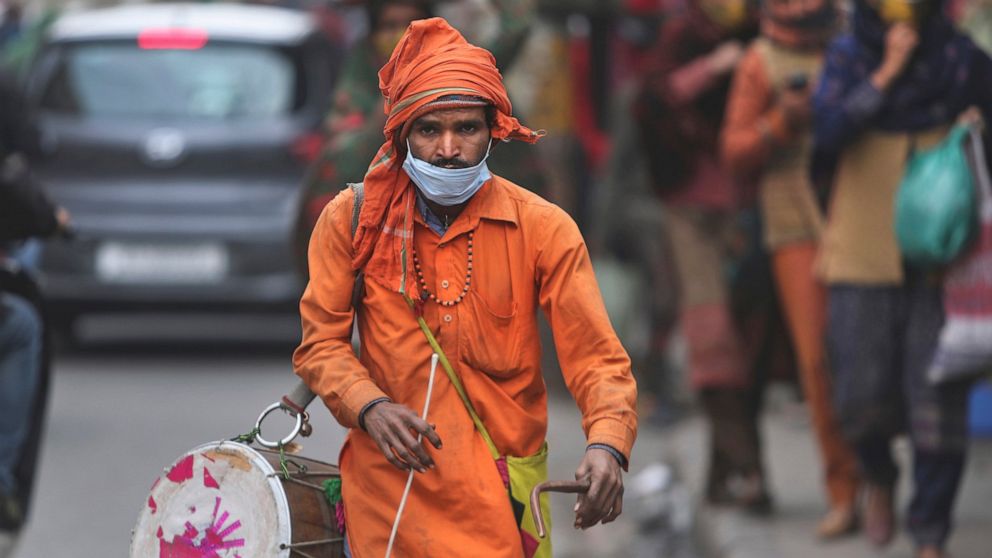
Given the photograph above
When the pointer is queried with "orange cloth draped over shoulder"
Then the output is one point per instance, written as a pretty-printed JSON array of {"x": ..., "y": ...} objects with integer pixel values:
[{"x": 432, "y": 60}]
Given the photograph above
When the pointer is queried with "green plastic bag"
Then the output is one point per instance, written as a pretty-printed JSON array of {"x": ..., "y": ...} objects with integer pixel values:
[{"x": 935, "y": 206}]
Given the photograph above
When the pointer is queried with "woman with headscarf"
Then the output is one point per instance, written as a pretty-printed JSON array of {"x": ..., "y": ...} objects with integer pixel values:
[
  {"x": 897, "y": 81},
  {"x": 767, "y": 135},
  {"x": 680, "y": 110}
]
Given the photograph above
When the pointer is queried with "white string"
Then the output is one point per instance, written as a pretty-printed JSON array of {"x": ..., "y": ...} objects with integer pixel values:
[{"x": 409, "y": 479}]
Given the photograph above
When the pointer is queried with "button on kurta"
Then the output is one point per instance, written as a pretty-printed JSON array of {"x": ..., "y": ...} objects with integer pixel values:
[
  {"x": 444, "y": 284},
  {"x": 447, "y": 318}
]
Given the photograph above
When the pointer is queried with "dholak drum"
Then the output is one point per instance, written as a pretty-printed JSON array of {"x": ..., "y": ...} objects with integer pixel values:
[{"x": 228, "y": 500}]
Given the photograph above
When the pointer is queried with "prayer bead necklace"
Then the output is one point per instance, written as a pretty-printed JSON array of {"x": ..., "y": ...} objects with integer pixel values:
[{"x": 468, "y": 277}]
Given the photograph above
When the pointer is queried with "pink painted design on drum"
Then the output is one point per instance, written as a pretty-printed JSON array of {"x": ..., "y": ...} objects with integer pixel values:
[
  {"x": 183, "y": 471},
  {"x": 152, "y": 504},
  {"x": 208, "y": 479},
  {"x": 212, "y": 540}
]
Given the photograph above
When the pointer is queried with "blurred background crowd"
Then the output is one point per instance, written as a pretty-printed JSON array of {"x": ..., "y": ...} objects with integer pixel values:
[{"x": 732, "y": 164}]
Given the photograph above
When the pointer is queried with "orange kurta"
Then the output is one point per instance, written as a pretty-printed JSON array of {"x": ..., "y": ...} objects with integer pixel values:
[{"x": 527, "y": 253}]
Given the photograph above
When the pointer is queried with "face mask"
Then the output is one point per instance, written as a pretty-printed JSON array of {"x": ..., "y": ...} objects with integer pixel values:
[
  {"x": 909, "y": 11},
  {"x": 727, "y": 14},
  {"x": 443, "y": 186}
]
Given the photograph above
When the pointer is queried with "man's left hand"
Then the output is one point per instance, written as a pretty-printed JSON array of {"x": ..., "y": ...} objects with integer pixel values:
[{"x": 604, "y": 501}]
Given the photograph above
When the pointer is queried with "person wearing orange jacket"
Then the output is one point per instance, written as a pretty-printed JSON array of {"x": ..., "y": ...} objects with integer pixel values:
[
  {"x": 767, "y": 135},
  {"x": 728, "y": 314},
  {"x": 439, "y": 238}
]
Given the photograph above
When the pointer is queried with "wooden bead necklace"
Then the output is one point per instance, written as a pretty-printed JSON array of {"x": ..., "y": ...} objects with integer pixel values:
[{"x": 426, "y": 293}]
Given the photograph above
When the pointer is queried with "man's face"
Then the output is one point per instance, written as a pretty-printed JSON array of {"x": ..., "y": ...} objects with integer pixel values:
[
  {"x": 796, "y": 9},
  {"x": 450, "y": 138}
]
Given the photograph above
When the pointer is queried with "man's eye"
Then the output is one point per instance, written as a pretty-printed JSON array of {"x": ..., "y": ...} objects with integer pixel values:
[
  {"x": 469, "y": 128},
  {"x": 427, "y": 131}
]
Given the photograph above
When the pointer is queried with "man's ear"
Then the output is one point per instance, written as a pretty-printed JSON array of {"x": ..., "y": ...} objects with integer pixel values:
[{"x": 490, "y": 117}]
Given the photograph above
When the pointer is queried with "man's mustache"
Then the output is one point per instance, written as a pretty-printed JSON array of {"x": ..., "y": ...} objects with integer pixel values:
[{"x": 452, "y": 163}]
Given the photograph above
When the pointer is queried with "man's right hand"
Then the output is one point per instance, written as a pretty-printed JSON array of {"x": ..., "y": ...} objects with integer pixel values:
[
  {"x": 394, "y": 429},
  {"x": 900, "y": 42}
]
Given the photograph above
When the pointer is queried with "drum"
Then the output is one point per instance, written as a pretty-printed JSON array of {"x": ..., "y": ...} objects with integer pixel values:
[{"x": 228, "y": 500}]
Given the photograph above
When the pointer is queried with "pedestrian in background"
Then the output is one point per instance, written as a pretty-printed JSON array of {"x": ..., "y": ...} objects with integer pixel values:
[
  {"x": 25, "y": 212},
  {"x": 353, "y": 128},
  {"x": 977, "y": 23},
  {"x": 680, "y": 112},
  {"x": 767, "y": 135},
  {"x": 898, "y": 80}
]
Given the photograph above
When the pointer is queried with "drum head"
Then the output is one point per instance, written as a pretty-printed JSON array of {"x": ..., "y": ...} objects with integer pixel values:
[{"x": 220, "y": 500}]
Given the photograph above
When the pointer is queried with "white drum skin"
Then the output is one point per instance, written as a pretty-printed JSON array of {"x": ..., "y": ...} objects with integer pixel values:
[{"x": 219, "y": 500}]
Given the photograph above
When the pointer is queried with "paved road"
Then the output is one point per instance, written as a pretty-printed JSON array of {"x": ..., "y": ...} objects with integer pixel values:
[
  {"x": 120, "y": 412},
  {"x": 794, "y": 468}
]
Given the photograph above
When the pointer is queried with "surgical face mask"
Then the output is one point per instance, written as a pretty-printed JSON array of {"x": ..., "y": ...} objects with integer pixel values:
[
  {"x": 908, "y": 11},
  {"x": 443, "y": 186},
  {"x": 729, "y": 15}
]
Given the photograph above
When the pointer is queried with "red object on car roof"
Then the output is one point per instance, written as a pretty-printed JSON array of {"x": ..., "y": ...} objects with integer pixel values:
[{"x": 172, "y": 39}]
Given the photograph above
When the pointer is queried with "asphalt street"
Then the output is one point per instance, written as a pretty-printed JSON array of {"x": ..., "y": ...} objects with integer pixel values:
[{"x": 123, "y": 408}]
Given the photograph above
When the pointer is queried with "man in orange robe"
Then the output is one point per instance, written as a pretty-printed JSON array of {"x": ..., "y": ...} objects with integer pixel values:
[{"x": 475, "y": 255}]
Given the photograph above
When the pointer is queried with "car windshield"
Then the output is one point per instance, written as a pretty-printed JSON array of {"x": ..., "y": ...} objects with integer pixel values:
[{"x": 217, "y": 81}]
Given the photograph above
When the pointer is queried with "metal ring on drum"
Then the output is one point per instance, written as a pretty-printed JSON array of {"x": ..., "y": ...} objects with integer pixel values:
[
  {"x": 229, "y": 500},
  {"x": 292, "y": 435}
]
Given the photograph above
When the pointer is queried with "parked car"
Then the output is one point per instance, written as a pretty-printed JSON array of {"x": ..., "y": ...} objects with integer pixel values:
[{"x": 177, "y": 136}]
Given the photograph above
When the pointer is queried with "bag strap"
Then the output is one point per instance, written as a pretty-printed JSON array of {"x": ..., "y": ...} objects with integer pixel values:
[
  {"x": 453, "y": 376},
  {"x": 356, "y": 293},
  {"x": 984, "y": 182},
  {"x": 297, "y": 400},
  {"x": 356, "y": 211}
]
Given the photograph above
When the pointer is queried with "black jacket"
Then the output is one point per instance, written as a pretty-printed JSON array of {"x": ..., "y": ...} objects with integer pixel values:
[{"x": 25, "y": 210}]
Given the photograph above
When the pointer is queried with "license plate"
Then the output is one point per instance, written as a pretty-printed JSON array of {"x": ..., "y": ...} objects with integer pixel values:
[{"x": 160, "y": 263}]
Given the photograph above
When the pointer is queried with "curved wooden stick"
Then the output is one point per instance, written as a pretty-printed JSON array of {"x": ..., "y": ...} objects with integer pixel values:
[{"x": 567, "y": 487}]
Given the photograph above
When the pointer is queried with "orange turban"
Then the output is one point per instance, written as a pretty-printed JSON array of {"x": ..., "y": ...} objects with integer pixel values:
[{"x": 431, "y": 61}]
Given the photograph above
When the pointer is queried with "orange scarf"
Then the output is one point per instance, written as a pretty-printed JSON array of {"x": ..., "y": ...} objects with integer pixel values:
[{"x": 432, "y": 60}]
